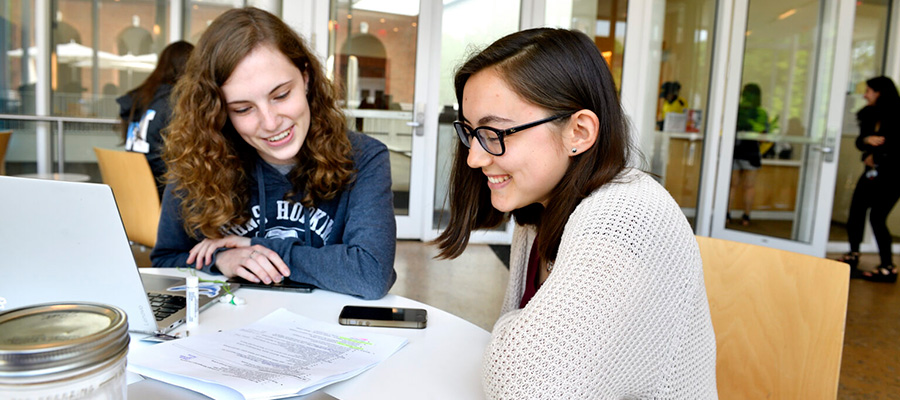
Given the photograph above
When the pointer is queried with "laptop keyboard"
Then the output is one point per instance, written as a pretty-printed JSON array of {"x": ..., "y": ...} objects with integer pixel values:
[{"x": 165, "y": 305}]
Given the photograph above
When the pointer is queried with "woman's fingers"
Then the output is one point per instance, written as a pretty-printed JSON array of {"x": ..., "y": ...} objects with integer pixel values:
[
  {"x": 274, "y": 260},
  {"x": 246, "y": 274},
  {"x": 255, "y": 263},
  {"x": 198, "y": 253}
]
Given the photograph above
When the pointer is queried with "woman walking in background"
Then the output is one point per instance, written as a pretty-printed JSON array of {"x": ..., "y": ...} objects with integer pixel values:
[
  {"x": 878, "y": 189},
  {"x": 145, "y": 110}
]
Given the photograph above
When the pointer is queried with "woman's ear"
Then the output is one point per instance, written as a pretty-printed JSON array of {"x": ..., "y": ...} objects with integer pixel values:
[
  {"x": 584, "y": 126},
  {"x": 305, "y": 81}
]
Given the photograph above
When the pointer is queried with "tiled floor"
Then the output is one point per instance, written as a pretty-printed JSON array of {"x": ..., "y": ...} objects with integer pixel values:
[
  {"x": 470, "y": 286},
  {"x": 870, "y": 368}
]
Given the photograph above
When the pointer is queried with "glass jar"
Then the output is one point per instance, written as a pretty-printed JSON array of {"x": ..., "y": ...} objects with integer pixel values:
[{"x": 63, "y": 351}]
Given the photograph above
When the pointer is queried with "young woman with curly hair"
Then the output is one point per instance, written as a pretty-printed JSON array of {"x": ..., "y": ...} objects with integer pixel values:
[
  {"x": 606, "y": 296},
  {"x": 265, "y": 180}
]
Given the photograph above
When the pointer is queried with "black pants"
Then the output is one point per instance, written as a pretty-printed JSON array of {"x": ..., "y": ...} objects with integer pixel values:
[{"x": 880, "y": 195}]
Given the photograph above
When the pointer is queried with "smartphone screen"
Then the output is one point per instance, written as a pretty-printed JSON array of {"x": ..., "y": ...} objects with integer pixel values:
[{"x": 384, "y": 316}]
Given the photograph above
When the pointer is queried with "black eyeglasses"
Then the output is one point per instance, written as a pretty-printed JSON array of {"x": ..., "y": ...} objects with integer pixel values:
[{"x": 491, "y": 139}]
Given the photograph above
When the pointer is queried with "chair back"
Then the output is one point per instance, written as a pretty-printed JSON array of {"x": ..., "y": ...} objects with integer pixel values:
[
  {"x": 779, "y": 320},
  {"x": 4, "y": 144},
  {"x": 129, "y": 176}
]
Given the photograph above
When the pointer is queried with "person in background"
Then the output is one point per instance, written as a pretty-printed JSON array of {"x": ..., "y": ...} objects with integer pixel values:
[
  {"x": 145, "y": 110},
  {"x": 589, "y": 312},
  {"x": 672, "y": 102},
  {"x": 747, "y": 160},
  {"x": 265, "y": 180},
  {"x": 877, "y": 190}
]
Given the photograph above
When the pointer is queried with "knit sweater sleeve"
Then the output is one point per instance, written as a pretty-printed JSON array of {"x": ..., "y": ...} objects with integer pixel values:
[{"x": 624, "y": 313}]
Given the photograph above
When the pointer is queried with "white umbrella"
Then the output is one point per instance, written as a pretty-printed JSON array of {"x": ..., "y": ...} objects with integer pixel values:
[
  {"x": 66, "y": 53},
  {"x": 74, "y": 52},
  {"x": 142, "y": 63},
  {"x": 17, "y": 53}
]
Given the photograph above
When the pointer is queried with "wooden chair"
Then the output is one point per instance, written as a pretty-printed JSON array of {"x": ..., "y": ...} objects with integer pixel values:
[
  {"x": 4, "y": 144},
  {"x": 129, "y": 176},
  {"x": 779, "y": 320}
]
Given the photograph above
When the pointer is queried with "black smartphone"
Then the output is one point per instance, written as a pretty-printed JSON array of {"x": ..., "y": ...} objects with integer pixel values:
[
  {"x": 388, "y": 317},
  {"x": 285, "y": 285}
]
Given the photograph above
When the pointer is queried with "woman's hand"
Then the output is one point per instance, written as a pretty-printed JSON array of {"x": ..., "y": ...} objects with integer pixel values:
[
  {"x": 870, "y": 161},
  {"x": 874, "y": 140},
  {"x": 203, "y": 251},
  {"x": 255, "y": 263}
]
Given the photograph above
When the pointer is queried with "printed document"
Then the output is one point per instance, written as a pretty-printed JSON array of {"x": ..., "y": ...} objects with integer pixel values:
[{"x": 281, "y": 355}]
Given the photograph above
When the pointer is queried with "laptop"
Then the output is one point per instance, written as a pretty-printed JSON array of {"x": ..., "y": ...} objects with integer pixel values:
[{"x": 64, "y": 241}]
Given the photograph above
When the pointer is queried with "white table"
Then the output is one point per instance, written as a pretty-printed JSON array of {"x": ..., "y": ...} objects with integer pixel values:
[{"x": 442, "y": 361}]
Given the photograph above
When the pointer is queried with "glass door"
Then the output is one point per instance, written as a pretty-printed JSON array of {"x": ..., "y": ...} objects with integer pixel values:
[
  {"x": 784, "y": 102},
  {"x": 465, "y": 26},
  {"x": 375, "y": 55}
]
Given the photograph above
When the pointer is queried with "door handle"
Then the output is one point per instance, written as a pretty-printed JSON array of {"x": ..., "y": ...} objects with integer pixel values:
[
  {"x": 418, "y": 122},
  {"x": 827, "y": 149}
]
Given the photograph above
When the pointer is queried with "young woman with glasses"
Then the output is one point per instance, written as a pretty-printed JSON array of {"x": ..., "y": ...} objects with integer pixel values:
[
  {"x": 265, "y": 180},
  {"x": 606, "y": 296}
]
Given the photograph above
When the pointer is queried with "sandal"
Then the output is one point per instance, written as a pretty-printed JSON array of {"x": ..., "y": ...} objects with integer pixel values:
[
  {"x": 851, "y": 258},
  {"x": 745, "y": 220},
  {"x": 884, "y": 273}
]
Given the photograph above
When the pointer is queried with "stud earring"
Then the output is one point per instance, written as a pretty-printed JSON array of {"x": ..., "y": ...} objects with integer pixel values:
[{"x": 574, "y": 150}]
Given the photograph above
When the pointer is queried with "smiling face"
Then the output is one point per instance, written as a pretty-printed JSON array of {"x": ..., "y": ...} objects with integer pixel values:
[
  {"x": 266, "y": 102},
  {"x": 535, "y": 159}
]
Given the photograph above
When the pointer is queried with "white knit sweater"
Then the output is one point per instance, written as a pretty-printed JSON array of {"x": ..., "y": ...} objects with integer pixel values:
[{"x": 624, "y": 313}]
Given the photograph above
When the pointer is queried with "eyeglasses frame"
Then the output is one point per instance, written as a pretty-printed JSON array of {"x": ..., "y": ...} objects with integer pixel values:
[{"x": 464, "y": 132}]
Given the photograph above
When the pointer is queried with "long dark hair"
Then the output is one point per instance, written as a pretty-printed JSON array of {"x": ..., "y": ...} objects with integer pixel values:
[
  {"x": 561, "y": 71},
  {"x": 888, "y": 99},
  {"x": 168, "y": 69}
]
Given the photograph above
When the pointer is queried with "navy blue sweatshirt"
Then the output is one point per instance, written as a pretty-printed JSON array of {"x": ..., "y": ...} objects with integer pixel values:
[
  {"x": 344, "y": 245},
  {"x": 157, "y": 117}
]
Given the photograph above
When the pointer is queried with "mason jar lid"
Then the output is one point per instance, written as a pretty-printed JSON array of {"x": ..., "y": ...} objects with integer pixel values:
[{"x": 46, "y": 339}]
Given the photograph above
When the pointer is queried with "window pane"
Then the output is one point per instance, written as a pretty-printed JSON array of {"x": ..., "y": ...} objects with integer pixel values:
[
  {"x": 778, "y": 93},
  {"x": 868, "y": 48},
  {"x": 199, "y": 14},
  {"x": 682, "y": 102},
  {"x": 17, "y": 60},
  {"x": 93, "y": 62},
  {"x": 604, "y": 21},
  {"x": 372, "y": 58},
  {"x": 484, "y": 21}
]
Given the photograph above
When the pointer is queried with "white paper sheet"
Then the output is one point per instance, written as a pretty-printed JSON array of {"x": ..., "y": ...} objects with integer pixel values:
[{"x": 281, "y": 355}]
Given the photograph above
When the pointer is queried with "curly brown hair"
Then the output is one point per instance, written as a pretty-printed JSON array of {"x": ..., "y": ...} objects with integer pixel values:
[{"x": 209, "y": 163}]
